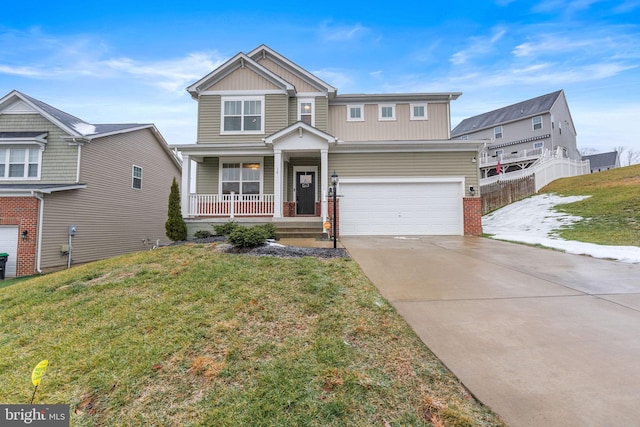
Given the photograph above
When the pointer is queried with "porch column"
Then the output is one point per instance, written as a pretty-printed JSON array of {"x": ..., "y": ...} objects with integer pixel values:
[
  {"x": 324, "y": 174},
  {"x": 277, "y": 184},
  {"x": 186, "y": 181}
]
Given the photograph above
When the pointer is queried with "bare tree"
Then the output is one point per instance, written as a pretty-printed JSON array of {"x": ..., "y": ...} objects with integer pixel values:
[
  {"x": 588, "y": 151},
  {"x": 633, "y": 157},
  {"x": 620, "y": 149}
]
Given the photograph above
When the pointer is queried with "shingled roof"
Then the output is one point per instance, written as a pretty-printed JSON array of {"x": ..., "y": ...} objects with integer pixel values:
[
  {"x": 524, "y": 109},
  {"x": 602, "y": 160}
]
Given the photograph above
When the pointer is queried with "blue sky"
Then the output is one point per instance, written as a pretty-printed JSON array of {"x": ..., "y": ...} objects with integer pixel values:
[{"x": 123, "y": 62}]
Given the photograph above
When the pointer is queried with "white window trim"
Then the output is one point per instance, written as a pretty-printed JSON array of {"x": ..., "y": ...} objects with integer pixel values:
[
  {"x": 361, "y": 107},
  {"x": 311, "y": 101},
  {"x": 133, "y": 176},
  {"x": 419, "y": 104},
  {"x": 495, "y": 133},
  {"x": 533, "y": 124},
  {"x": 393, "y": 112},
  {"x": 241, "y": 160},
  {"x": 223, "y": 99},
  {"x": 9, "y": 147}
]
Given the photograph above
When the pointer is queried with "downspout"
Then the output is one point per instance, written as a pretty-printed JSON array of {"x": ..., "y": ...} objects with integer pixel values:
[
  {"x": 449, "y": 117},
  {"x": 78, "y": 168},
  {"x": 40, "y": 226}
]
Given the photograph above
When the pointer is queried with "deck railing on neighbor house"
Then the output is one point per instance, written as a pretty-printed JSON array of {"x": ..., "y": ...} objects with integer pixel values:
[
  {"x": 486, "y": 160},
  {"x": 231, "y": 205}
]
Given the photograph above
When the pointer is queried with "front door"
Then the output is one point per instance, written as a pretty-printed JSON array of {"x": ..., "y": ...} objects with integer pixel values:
[{"x": 305, "y": 193}]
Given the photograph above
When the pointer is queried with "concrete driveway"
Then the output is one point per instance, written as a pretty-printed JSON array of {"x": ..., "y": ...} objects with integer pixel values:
[{"x": 542, "y": 337}]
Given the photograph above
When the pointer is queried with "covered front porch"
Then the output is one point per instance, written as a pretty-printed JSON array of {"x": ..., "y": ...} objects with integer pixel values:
[{"x": 284, "y": 176}]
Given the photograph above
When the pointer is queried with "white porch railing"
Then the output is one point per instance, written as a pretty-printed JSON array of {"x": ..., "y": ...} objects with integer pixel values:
[
  {"x": 230, "y": 205},
  {"x": 486, "y": 160}
]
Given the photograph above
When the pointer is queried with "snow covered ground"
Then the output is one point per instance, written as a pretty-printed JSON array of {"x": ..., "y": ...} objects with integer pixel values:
[{"x": 533, "y": 221}]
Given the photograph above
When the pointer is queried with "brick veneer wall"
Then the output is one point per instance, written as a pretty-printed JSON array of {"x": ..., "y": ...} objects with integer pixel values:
[
  {"x": 23, "y": 212},
  {"x": 472, "y": 216}
]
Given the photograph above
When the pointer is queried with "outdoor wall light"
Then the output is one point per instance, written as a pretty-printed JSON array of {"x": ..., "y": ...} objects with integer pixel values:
[
  {"x": 472, "y": 190},
  {"x": 24, "y": 234}
]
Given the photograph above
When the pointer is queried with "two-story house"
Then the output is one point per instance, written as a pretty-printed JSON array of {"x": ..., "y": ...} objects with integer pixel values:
[
  {"x": 520, "y": 134},
  {"x": 270, "y": 135},
  {"x": 72, "y": 192}
]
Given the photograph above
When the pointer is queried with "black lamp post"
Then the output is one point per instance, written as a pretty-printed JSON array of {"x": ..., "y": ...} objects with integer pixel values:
[{"x": 334, "y": 183}]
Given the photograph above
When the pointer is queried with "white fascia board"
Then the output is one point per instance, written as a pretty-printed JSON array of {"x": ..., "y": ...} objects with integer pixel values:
[
  {"x": 292, "y": 66},
  {"x": 407, "y": 146},
  {"x": 231, "y": 149},
  {"x": 233, "y": 64},
  {"x": 295, "y": 127},
  {"x": 43, "y": 113},
  {"x": 395, "y": 97},
  {"x": 401, "y": 180},
  {"x": 40, "y": 140},
  {"x": 244, "y": 92}
]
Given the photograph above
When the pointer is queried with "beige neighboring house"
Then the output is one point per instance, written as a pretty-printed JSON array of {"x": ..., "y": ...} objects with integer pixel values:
[
  {"x": 518, "y": 136},
  {"x": 271, "y": 134},
  {"x": 68, "y": 187}
]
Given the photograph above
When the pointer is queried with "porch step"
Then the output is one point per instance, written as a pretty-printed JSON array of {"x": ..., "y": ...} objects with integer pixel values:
[{"x": 300, "y": 229}]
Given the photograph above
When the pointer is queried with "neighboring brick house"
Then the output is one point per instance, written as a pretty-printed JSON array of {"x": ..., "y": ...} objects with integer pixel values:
[
  {"x": 518, "y": 135},
  {"x": 270, "y": 134},
  {"x": 111, "y": 182}
]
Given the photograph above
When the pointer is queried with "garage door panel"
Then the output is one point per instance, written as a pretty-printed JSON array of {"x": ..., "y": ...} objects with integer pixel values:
[
  {"x": 9, "y": 245},
  {"x": 419, "y": 208}
]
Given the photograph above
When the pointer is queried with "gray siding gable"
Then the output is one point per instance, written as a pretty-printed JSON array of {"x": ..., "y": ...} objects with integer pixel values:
[{"x": 531, "y": 107}]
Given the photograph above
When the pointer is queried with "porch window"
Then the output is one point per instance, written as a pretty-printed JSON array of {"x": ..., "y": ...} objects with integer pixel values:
[
  {"x": 497, "y": 132},
  {"x": 537, "y": 122},
  {"x": 19, "y": 163},
  {"x": 241, "y": 178},
  {"x": 306, "y": 109},
  {"x": 242, "y": 114}
]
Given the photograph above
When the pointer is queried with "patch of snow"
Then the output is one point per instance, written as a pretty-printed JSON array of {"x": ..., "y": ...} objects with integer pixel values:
[
  {"x": 534, "y": 221},
  {"x": 84, "y": 128},
  {"x": 273, "y": 243}
]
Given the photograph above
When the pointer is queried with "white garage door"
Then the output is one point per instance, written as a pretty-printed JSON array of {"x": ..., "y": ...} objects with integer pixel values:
[
  {"x": 9, "y": 244},
  {"x": 401, "y": 207}
]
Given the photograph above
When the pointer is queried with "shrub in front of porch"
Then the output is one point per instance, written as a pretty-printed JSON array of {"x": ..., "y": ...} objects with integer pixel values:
[{"x": 246, "y": 237}]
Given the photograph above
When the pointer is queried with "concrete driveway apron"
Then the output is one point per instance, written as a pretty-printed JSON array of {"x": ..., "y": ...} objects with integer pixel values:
[{"x": 542, "y": 337}]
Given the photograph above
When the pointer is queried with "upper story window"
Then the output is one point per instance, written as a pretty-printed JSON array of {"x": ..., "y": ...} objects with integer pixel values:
[
  {"x": 242, "y": 114},
  {"x": 20, "y": 163},
  {"x": 537, "y": 122},
  {"x": 418, "y": 111},
  {"x": 136, "y": 177},
  {"x": 306, "y": 111},
  {"x": 355, "y": 113},
  {"x": 497, "y": 132},
  {"x": 386, "y": 112},
  {"x": 538, "y": 145},
  {"x": 464, "y": 137},
  {"x": 499, "y": 153}
]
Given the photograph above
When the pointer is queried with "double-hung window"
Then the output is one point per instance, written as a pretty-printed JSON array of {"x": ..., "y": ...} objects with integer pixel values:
[
  {"x": 241, "y": 177},
  {"x": 136, "y": 177},
  {"x": 537, "y": 122},
  {"x": 386, "y": 112},
  {"x": 19, "y": 163},
  {"x": 306, "y": 109},
  {"x": 497, "y": 132},
  {"x": 355, "y": 113},
  {"x": 243, "y": 114}
]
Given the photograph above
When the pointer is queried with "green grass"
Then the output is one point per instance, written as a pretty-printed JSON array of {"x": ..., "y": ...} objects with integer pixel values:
[
  {"x": 189, "y": 336},
  {"x": 611, "y": 216}
]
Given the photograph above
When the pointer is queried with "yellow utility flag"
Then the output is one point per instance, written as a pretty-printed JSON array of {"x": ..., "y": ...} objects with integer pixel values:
[{"x": 38, "y": 372}]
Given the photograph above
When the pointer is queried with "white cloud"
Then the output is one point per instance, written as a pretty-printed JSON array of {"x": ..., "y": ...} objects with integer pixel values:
[
  {"x": 21, "y": 71},
  {"x": 338, "y": 33},
  {"x": 478, "y": 46}
]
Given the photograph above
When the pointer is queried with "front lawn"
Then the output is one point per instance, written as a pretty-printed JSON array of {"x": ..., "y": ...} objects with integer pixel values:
[{"x": 189, "y": 336}]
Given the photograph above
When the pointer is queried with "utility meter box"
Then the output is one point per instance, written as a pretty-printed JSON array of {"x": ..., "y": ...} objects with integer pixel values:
[{"x": 73, "y": 230}]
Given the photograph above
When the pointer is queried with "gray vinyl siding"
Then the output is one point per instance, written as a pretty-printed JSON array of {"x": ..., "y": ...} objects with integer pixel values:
[
  {"x": 268, "y": 175},
  {"x": 401, "y": 129},
  {"x": 209, "y": 115},
  {"x": 112, "y": 217},
  {"x": 438, "y": 164},
  {"x": 59, "y": 159},
  {"x": 207, "y": 176}
]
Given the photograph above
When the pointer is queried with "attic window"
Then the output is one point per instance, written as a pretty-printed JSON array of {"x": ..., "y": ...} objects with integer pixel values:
[
  {"x": 386, "y": 112},
  {"x": 355, "y": 113},
  {"x": 497, "y": 132},
  {"x": 418, "y": 111}
]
